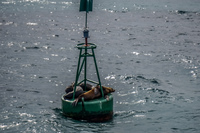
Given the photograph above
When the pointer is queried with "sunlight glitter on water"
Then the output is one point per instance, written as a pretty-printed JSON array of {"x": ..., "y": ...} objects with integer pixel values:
[
  {"x": 110, "y": 77},
  {"x": 47, "y": 59},
  {"x": 26, "y": 114},
  {"x": 54, "y": 55},
  {"x": 135, "y": 53},
  {"x": 8, "y": 126},
  {"x": 8, "y": 2},
  {"x": 140, "y": 116},
  {"x": 31, "y": 23}
]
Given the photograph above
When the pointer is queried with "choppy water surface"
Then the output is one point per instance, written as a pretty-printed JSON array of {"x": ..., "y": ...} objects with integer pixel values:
[{"x": 147, "y": 51}]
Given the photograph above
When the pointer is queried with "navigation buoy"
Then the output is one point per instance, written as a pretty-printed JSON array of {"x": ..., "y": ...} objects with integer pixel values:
[{"x": 96, "y": 110}]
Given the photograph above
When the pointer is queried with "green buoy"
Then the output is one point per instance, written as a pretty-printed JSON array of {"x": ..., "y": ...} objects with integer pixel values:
[{"x": 97, "y": 110}]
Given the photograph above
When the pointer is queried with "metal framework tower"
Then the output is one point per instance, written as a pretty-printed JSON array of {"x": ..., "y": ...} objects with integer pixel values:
[{"x": 86, "y": 5}]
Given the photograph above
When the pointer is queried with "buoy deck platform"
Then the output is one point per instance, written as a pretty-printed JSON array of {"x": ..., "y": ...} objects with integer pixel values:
[{"x": 97, "y": 110}]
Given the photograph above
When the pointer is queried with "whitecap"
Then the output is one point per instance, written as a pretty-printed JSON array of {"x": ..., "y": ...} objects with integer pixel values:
[
  {"x": 31, "y": 23},
  {"x": 25, "y": 114},
  {"x": 9, "y": 23},
  {"x": 63, "y": 59},
  {"x": 46, "y": 59},
  {"x": 141, "y": 116},
  {"x": 54, "y": 54},
  {"x": 110, "y": 77},
  {"x": 135, "y": 53},
  {"x": 140, "y": 101}
]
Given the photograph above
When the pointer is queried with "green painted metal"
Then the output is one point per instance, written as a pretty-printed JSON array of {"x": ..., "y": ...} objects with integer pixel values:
[
  {"x": 97, "y": 72},
  {"x": 86, "y": 5},
  {"x": 94, "y": 110},
  {"x": 83, "y": 55},
  {"x": 85, "y": 69}
]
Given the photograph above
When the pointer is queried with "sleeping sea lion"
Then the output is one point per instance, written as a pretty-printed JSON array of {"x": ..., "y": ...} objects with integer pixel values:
[
  {"x": 79, "y": 90},
  {"x": 69, "y": 95},
  {"x": 94, "y": 93},
  {"x": 69, "y": 88},
  {"x": 88, "y": 86},
  {"x": 82, "y": 85}
]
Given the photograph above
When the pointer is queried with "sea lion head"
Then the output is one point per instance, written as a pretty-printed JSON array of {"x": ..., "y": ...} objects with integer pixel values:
[
  {"x": 69, "y": 89},
  {"x": 107, "y": 90},
  {"x": 110, "y": 89}
]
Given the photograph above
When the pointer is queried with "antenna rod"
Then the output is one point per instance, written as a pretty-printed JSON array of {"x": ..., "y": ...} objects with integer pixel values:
[
  {"x": 86, "y": 31},
  {"x": 86, "y": 20}
]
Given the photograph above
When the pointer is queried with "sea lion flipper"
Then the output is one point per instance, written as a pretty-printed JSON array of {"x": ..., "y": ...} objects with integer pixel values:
[
  {"x": 107, "y": 97},
  {"x": 75, "y": 102}
]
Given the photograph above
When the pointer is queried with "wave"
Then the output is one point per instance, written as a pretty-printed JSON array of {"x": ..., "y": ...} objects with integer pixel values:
[{"x": 140, "y": 78}]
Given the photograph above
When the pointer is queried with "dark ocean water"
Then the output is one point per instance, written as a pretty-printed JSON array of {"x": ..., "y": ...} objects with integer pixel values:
[{"x": 148, "y": 51}]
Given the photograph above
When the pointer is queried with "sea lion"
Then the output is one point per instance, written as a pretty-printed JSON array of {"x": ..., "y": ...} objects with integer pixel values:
[
  {"x": 69, "y": 95},
  {"x": 88, "y": 86},
  {"x": 69, "y": 88},
  {"x": 79, "y": 90},
  {"x": 94, "y": 93},
  {"x": 82, "y": 85}
]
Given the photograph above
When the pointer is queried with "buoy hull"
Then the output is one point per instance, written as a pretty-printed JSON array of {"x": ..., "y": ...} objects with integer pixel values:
[{"x": 97, "y": 110}]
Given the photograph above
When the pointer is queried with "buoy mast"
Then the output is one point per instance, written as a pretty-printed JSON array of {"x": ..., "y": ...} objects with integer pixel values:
[{"x": 86, "y": 5}]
